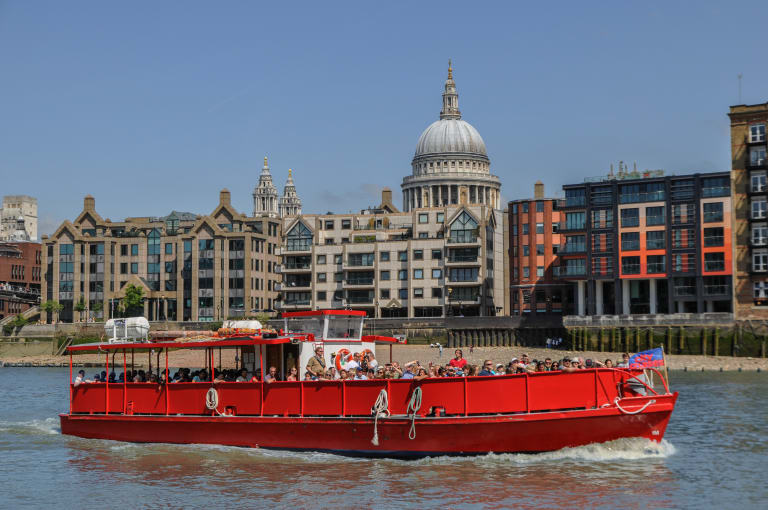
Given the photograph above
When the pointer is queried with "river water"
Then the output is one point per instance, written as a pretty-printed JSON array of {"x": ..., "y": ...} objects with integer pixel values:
[{"x": 715, "y": 453}]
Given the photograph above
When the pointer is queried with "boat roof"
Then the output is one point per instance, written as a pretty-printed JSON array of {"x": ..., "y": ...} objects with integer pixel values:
[{"x": 319, "y": 313}]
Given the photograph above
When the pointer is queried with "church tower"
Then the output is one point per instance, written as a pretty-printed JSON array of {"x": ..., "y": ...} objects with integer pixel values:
[
  {"x": 265, "y": 194},
  {"x": 290, "y": 203}
]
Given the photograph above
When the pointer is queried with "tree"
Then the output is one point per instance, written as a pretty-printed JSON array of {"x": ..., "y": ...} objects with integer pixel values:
[
  {"x": 52, "y": 308},
  {"x": 134, "y": 299},
  {"x": 80, "y": 307},
  {"x": 96, "y": 308}
]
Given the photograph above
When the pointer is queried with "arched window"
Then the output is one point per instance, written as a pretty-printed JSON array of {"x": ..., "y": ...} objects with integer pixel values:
[
  {"x": 299, "y": 238},
  {"x": 463, "y": 229}
]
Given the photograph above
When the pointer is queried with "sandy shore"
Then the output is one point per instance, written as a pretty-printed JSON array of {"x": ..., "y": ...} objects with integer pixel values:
[{"x": 423, "y": 353}]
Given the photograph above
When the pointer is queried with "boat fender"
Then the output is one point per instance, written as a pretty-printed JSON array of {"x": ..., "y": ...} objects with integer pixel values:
[{"x": 340, "y": 358}]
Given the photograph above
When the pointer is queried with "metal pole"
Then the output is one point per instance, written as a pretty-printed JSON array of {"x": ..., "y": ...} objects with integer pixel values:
[
  {"x": 125, "y": 382},
  {"x": 106, "y": 388},
  {"x": 70, "y": 383},
  {"x": 167, "y": 386}
]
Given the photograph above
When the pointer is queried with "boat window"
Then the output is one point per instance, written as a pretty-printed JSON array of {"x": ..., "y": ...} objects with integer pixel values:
[
  {"x": 305, "y": 325},
  {"x": 344, "y": 327}
]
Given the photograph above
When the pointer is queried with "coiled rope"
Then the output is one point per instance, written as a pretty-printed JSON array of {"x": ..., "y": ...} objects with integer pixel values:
[
  {"x": 380, "y": 408},
  {"x": 616, "y": 401},
  {"x": 413, "y": 407}
]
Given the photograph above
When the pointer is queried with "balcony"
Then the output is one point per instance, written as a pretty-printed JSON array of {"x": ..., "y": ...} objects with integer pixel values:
[
  {"x": 296, "y": 267},
  {"x": 360, "y": 300},
  {"x": 569, "y": 248},
  {"x": 465, "y": 283},
  {"x": 464, "y": 299},
  {"x": 758, "y": 241},
  {"x": 573, "y": 227},
  {"x": 463, "y": 260},
  {"x": 718, "y": 265},
  {"x": 685, "y": 290},
  {"x": 717, "y": 290},
  {"x": 296, "y": 303},
  {"x": 571, "y": 271},
  {"x": 465, "y": 240},
  {"x": 297, "y": 284},
  {"x": 358, "y": 282}
]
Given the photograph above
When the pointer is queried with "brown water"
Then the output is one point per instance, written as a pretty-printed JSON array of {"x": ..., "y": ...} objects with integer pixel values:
[{"x": 714, "y": 455}]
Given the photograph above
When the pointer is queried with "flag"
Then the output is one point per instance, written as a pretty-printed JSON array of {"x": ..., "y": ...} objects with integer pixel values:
[{"x": 647, "y": 359}]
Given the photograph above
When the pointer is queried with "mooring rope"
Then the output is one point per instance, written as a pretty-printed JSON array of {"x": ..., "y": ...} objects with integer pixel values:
[
  {"x": 616, "y": 401},
  {"x": 380, "y": 408},
  {"x": 413, "y": 407}
]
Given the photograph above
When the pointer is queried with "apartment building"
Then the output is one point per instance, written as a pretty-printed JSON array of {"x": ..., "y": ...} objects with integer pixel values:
[
  {"x": 642, "y": 242},
  {"x": 535, "y": 245},
  {"x": 750, "y": 203},
  {"x": 428, "y": 262},
  {"x": 190, "y": 267},
  {"x": 19, "y": 277}
]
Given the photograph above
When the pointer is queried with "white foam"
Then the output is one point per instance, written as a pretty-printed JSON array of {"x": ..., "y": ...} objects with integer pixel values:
[{"x": 46, "y": 426}]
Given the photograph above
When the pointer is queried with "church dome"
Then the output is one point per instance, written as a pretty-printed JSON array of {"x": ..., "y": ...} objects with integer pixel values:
[{"x": 450, "y": 136}]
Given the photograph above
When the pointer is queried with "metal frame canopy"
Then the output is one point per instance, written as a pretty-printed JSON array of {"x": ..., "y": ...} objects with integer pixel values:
[
  {"x": 204, "y": 344},
  {"x": 318, "y": 313}
]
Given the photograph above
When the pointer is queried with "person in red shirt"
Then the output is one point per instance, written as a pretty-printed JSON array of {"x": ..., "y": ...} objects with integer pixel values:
[{"x": 458, "y": 361}]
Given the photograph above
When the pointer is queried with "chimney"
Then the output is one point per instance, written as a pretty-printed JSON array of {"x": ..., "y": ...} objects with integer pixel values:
[
  {"x": 224, "y": 197},
  {"x": 386, "y": 196},
  {"x": 89, "y": 203},
  {"x": 538, "y": 190}
]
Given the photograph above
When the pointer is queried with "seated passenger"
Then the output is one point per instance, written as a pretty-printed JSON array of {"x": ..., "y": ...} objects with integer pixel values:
[
  {"x": 308, "y": 376},
  {"x": 487, "y": 368},
  {"x": 243, "y": 377},
  {"x": 541, "y": 367},
  {"x": 271, "y": 375},
  {"x": 548, "y": 364},
  {"x": 409, "y": 370},
  {"x": 421, "y": 374},
  {"x": 293, "y": 375},
  {"x": 80, "y": 378},
  {"x": 608, "y": 363},
  {"x": 458, "y": 360},
  {"x": 624, "y": 361},
  {"x": 360, "y": 375},
  {"x": 343, "y": 375}
]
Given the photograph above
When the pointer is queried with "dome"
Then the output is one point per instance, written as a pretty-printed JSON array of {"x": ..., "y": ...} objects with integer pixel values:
[{"x": 447, "y": 136}]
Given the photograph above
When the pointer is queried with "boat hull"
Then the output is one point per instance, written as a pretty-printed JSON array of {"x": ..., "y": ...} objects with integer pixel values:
[{"x": 451, "y": 435}]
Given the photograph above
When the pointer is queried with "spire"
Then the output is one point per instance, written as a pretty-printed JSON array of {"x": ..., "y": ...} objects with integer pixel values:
[
  {"x": 450, "y": 97},
  {"x": 265, "y": 168},
  {"x": 290, "y": 176}
]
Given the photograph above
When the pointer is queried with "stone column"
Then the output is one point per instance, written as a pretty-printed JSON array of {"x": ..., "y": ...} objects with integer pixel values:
[
  {"x": 652, "y": 292},
  {"x": 598, "y": 297},
  {"x": 625, "y": 297},
  {"x": 581, "y": 297}
]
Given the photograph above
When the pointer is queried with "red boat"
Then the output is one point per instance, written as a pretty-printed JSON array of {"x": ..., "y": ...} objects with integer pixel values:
[{"x": 532, "y": 412}]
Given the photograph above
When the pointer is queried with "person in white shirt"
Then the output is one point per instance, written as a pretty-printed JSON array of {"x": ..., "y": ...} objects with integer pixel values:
[
  {"x": 80, "y": 379},
  {"x": 353, "y": 364},
  {"x": 372, "y": 363}
]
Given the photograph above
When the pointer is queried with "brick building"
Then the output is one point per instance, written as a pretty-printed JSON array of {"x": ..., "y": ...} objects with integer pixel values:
[
  {"x": 534, "y": 246},
  {"x": 640, "y": 243},
  {"x": 190, "y": 267},
  {"x": 19, "y": 277},
  {"x": 750, "y": 204}
]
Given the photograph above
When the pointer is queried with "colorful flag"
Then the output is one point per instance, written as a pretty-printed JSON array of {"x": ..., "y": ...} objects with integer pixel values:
[{"x": 647, "y": 359}]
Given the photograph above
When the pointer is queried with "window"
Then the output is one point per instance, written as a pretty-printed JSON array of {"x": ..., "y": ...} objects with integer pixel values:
[
  {"x": 437, "y": 273},
  {"x": 440, "y": 218},
  {"x": 464, "y": 229},
  {"x": 337, "y": 258},
  {"x": 299, "y": 238},
  {"x": 384, "y": 293},
  {"x": 602, "y": 242},
  {"x": 423, "y": 235},
  {"x": 423, "y": 218},
  {"x": 123, "y": 268},
  {"x": 539, "y": 228},
  {"x": 525, "y": 207},
  {"x": 402, "y": 274},
  {"x": 525, "y": 228},
  {"x": 418, "y": 254},
  {"x": 346, "y": 224},
  {"x": 437, "y": 292},
  {"x": 630, "y": 265},
  {"x": 384, "y": 275},
  {"x": 655, "y": 264},
  {"x": 418, "y": 274},
  {"x": 437, "y": 254},
  {"x": 540, "y": 271},
  {"x": 338, "y": 276},
  {"x": 758, "y": 181},
  {"x": 760, "y": 260},
  {"x": 402, "y": 293},
  {"x": 575, "y": 221},
  {"x": 630, "y": 241},
  {"x": 360, "y": 259},
  {"x": 402, "y": 256},
  {"x": 539, "y": 249},
  {"x": 123, "y": 250},
  {"x": 384, "y": 256},
  {"x": 321, "y": 295},
  {"x": 630, "y": 217},
  {"x": 757, "y": 156},
  {"x": 761, "y": 290},
  {"x": 713, "y": 236},
  {"x": 575, "y": 197},
  {"x": 321, "y": 277},
  {"x": 714, "y": 261},
  {"x": 418, "y": 293},
  {"x": 602, "y": 218},
  {"x": 134, "y": 268},
  {"x": 169, "y": 248},
  {"x": 715, "y": 186},
  {"x": 526, "y": 272},
  {"x": 539, "y": 206},
  {"x": 684, "y": 263},
  {"x": 713, "y": 212},
  {"x": 759, "y": 234},
  {"x": 170, "y": 267},
  {"x": 601, "y": 195},
  {"x": 602, "y": 266},
  {"x": 329, "y": 225},
  {"x": 757, "y": 133},
  {"x": 759, "y": 208},
  {"x": 655, "y": 240},
  {"x": 526, "y": 250},
  {"x": 641, "y": 192},
  {"x": 134, "y": 249},
  {"x": 654, "y": 216},
  {"x": 683, "y": 213},
  {"x": 683, "y": 238}
]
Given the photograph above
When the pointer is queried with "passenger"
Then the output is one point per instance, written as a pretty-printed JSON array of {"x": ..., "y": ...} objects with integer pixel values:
[
  {"x": 397, "y": 372},
  {"x": 370, "y": 360},
  {"x": 541, "y": 367},
  {"x": 499, "y": 369},
  {"x": 293, "y": 375},
  {"x": 121, "y": 378},
  {"x": 608, "y": 363},
  {"x": 343, "y": 375},
  {"x": 272, "y": 375},
  {"x": 473, "y": 370},
  {"x": 332, "y": 372},
  {"x": 555, "y": 366},
  {"x": 360, "y": 375},
  {"x": 354, "y": 363},
  {"x": 458, "y": 360},
  {"x": 421, "y": 374},
  {"x": 371, "y": 374},
  {"x": 103, "y": 377},
  {"x": 243, "y": 377},
  {"x": 316, "y": 364},
  {"x": 624, "y": 361},
  {"x": 525, "y": 360},
  {"x": 153, "y": 378},
  {"x": 487, "y": 368},
  {"x": 548, "y": 364},
  {"x": 308, "y": 376},
  {"x": 410, "y": 368},
  {"x": 254, "y": 377},
  {"x": 380, "y": 373},
  {"x": 509, "y": 370},
  {"x": 80, "y": 378}
]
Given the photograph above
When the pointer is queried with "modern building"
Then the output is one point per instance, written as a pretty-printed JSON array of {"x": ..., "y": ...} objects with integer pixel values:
[
  {"x": 750, "y": 204},
  {"x": 427, "y": 262},
  {"x": 640, "y": 242},
  {"x": 20, "y": 277},
  {"x": 535, "y": 245},
  {"x": 190, "y": 267},
  {"x": 451, "y": 165},
  {"x": 18, "y": 218}
]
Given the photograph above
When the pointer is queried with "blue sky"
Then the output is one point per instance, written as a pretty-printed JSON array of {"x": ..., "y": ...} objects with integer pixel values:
[{"x": 153, "y": 106}]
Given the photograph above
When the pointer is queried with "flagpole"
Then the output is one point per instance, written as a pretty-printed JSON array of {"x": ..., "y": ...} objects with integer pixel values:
[{"x": 664, "y": 357}]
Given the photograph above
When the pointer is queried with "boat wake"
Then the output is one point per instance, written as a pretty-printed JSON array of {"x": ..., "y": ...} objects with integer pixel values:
[{"x": 47, "y": 426}]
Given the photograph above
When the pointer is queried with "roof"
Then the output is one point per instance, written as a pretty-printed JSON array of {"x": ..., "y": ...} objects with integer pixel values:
[
  {"x": 319, "y": 313},
  {"x": 189, "y": 344}
]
